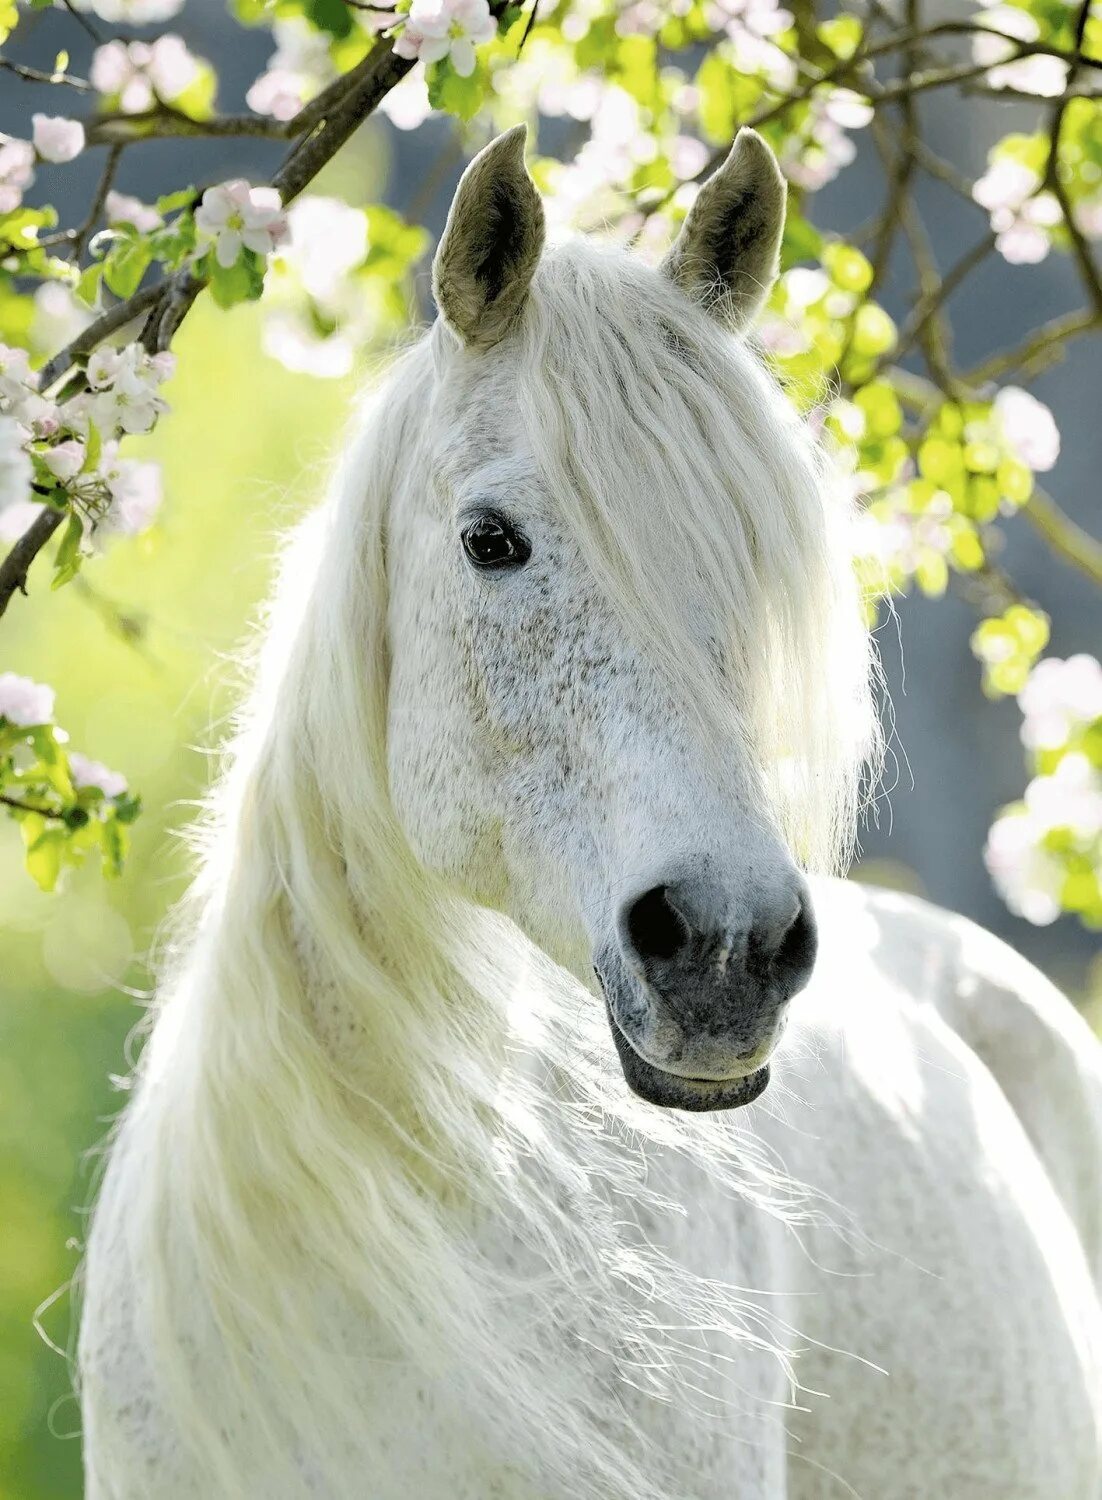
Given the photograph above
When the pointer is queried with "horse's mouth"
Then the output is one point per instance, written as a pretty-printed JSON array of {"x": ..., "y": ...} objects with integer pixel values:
[{"x": 674, "y": 1091}]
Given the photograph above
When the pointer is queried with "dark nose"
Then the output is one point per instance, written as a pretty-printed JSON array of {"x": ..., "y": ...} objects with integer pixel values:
[{"x": 664, "y": 928}]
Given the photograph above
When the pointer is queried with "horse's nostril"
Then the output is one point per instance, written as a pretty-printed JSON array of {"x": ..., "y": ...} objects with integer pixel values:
[
  {"x": 796, "y": 955},
  {"x": 655, "y": 928}
]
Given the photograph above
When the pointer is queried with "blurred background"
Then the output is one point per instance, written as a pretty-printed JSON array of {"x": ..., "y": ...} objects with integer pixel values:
[{"x": 141, "y": 651}]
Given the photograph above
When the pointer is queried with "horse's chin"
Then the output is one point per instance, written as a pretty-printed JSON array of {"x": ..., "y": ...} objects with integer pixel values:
[{"x": 673, "y": 1091}]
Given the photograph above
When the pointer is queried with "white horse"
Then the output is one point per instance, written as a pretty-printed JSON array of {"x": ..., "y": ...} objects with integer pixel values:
[{"x": 570, "y": 678}]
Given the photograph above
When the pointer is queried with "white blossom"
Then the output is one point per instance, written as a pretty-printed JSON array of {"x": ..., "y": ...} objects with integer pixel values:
[
  {"x": 57, "y": 139},
  {"x": 1029, "y": 427},
  {"x": 436, "y": 29},
  {"x": 1021, "y": 215},
  {"x": 327, "y": 241},
  {"x": 16, "y": 173},
  {"x": 121, "y": 208},
  {"x": 16, "y": 470},
  {"x": 1059, "y": 698},
  {"x": 407, "y": 105},
  {"x": 123, "y": 389},
  {"x": 19, "y": 397},
  {"x": 135, "y": 489},
  {"x": 1028, "y": 877},
  {"x": 24, "y": 702},
  {"x": 84, "y": 773},
  {"x": 140, "y": 73},
  {"x": 1044, "y": 76},
  {"x": 234, "y": 215},
  {"x": 58, "y": 317},
  {"x": 296, "y": 70}
]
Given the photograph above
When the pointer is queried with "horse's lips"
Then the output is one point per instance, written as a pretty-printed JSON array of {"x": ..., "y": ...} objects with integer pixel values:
[{"x": 671, "y": 1090}]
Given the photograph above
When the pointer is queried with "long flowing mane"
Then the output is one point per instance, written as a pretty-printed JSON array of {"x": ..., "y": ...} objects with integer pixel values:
[{"x": 355, "y": 1072}]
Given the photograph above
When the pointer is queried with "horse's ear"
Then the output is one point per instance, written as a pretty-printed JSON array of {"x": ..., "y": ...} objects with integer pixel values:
[
  {"x": 728, "y": 251},
  {"x": 491, "y": 243}
]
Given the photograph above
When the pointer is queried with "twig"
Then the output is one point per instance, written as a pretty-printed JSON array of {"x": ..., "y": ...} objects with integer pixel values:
[
  {"x": 1066, "y": 538},
  {"x": 43, "y": 812},
  {"x": 1043, "y": 341},
  {"x": 37, "y": 75},
  {"x": 82, "y": 21},
  {"x": 938, "y": 291},
  {"x": 103, "y": 187},
  {"x": 1088, "y": 271}
]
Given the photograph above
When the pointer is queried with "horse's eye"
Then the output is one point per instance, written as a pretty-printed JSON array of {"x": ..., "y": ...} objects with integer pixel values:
[{"x": 490, "y": 541}]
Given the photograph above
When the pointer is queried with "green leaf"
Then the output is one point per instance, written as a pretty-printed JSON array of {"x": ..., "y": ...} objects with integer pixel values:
[
  {"x": 68, "y": 559},
  {"x": 241, "y": 282},
  {"x": 127, "y": 262},
  {"x": 43, "y": 857},
  {"x": 171, "y": 203},
  {"x": 458, "y": 96},
  {"x": 87, "y": 288},
  {"x": 93, "y": 449}
]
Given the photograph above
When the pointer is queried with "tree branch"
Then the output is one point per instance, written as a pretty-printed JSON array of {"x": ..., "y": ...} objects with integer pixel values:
[
  {"x": 13, "y": 570},
  {"x": 165, "y": 123},
  {"x": 1039, "y": 350},
  {"x": 1066, "y": 538}
]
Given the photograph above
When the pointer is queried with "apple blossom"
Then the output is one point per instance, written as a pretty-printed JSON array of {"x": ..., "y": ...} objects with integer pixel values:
[
  {"x": 135, "y": 490},
  {"x": 16, "y": 471},
  {"x": 122, "y": 389},
  {"x": 24, "y": 702},
  {"x": 436, "y": 29},
  {"x": 1027, "y": 876},
  {"x": 16, "y": 173},
  {"x": 1029, "y": 427},
  {"x": 140, "y": 73},
  {"x": 234, "y": 216},
  {"x": 121, "y": 208},
  {"x": 1060, "y": 698},
  {"x": 57, "y": 139},
  {"x": 65, "y": 460},
  {"x": 298, "y": 68},
  {"x": 87, "y": 773}
]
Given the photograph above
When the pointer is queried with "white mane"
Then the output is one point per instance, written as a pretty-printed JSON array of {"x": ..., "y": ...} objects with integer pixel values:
[{"x": 289, "y": 1184}]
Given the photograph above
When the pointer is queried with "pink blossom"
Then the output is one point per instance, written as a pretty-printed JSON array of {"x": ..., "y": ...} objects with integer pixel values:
[
  {"x": 235, "y": 216},
  {"x": 24, "y": 702},
  {"x": 57, "y": 139},
  {"x": 16, "y": 173}
]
